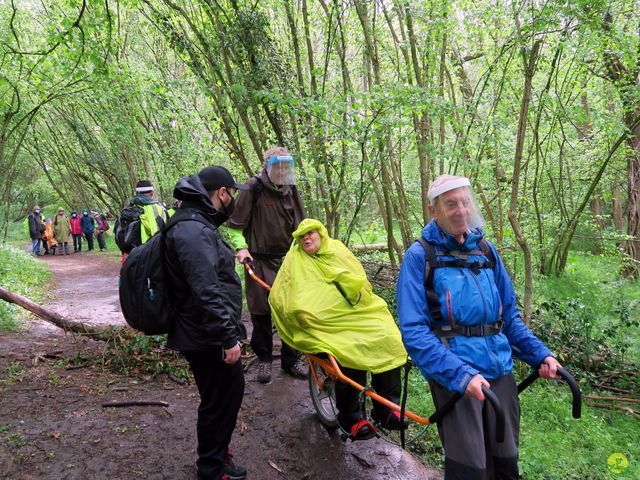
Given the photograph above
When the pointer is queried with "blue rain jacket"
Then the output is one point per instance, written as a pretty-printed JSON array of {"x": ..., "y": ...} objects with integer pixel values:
[{"x": 472, "y": 300}]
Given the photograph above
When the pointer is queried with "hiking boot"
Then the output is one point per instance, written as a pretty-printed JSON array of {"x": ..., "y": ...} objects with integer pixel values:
[
  {"x": 264, "y": 372},
  {"x": 297, "y": 370},
  {"x": 231, "y": 470},
  {"x": 390, "y": 420},
  {"x": 362, "y": 430}
]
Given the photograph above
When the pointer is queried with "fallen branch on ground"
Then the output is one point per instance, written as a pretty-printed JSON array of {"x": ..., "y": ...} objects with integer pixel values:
[
  {"x": 97, "y": 333},
  {"x": 613, "y": 399},
  {"x": 136, "y": 403}
]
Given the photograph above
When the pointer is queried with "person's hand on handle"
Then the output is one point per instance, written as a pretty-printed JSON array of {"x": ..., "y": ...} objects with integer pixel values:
[
  {"x": 242, "y": 254},
  {"x": 232, "y": 355},
  {"x": 474, "y": 388},
  {"x": 548, "y": 368}
]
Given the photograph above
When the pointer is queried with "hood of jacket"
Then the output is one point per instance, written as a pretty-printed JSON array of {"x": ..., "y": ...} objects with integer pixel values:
[
  {"x": 433, "y": 234},
  {"x": 142, "y": 200},
  {"x": 193, "y": 195}
]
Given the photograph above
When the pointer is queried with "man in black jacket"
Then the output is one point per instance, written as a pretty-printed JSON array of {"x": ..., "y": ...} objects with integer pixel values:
[
  {"x": 36, "y": 229},
  {"x": 207, "y": 295}
]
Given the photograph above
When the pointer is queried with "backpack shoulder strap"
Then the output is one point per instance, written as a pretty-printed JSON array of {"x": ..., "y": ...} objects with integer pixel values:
[
  {"x": 430, "y": 265},
  {"x": 430, "y": 262},
  {"x": 178, "y": 217},
  {"x": 487, "y": 252}
]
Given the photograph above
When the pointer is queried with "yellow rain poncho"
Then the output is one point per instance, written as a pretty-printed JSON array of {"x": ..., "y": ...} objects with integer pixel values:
[{"x": 324, "y": 303}]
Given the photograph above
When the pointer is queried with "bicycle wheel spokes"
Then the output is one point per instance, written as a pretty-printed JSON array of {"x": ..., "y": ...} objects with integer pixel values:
[{"x": 323, "y": 395}]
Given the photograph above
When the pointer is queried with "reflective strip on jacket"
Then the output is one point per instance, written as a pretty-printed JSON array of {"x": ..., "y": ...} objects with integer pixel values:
[{"x": 472, "y": 300}]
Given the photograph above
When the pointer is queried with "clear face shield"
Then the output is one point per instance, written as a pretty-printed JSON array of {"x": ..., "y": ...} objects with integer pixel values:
[
  {"x": 456, "y": 210},
  {"x": 280, "y": 170}
]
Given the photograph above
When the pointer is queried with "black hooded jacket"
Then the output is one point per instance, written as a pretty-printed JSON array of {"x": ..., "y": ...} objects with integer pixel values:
[{"x": 206, "y": 291}]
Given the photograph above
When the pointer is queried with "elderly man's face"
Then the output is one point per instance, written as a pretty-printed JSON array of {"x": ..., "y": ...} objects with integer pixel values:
[{"x": 452, "y": 211}]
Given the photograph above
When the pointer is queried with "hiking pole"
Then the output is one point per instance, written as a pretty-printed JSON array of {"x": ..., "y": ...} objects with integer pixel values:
[
  {"x": 247, "y": 264},
  {"x": 573, "y": 385}
]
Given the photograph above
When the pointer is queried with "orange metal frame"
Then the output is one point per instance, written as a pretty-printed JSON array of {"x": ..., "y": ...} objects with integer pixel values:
[{"x": 332, "y": 369}]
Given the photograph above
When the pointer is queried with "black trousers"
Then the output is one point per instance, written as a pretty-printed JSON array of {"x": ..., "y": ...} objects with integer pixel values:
[
  {"x": 467, "y": 433},
  {"x": 221, "y": 387},
  {"x": 386, "y": 384},
  {"x": 77, "y": 242},
  {"x": 262, "y": 342},
  {"x": 89, "y": 237}
]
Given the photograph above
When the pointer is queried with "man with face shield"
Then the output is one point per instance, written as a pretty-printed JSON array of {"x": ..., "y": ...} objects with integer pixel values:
[
  {"x": 460, "y": 324},
  {"x": 261, "y": 226}
]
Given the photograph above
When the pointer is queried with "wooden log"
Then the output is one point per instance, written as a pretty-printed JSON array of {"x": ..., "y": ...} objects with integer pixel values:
[
  {"x": 136, "y": 403},
  {"x": 612, "y": 398},
  {"x": 371, "y": 247},
  {"x": 56, "y": 319}
]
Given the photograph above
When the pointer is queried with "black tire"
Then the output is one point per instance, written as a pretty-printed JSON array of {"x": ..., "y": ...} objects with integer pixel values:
[{"x": 324, "y": 400}]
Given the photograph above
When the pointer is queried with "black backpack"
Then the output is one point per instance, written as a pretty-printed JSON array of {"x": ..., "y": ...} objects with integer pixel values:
[
  {"x": 144, "y": 287},
  {"x": 127, "y": 228}
]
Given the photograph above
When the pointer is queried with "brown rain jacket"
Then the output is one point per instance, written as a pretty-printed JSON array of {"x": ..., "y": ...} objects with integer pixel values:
[{"x": 267, "y": 215}]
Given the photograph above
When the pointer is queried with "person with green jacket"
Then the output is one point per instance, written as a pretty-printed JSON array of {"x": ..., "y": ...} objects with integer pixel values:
[
  {"x": 62, "y": 230},
  {"x": 322, "y": 303},
  {"x": 144, "y": 213},
  {"x": 152, "y": 210}
]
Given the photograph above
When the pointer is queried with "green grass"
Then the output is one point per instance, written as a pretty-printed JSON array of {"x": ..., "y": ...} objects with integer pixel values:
[
  {"x": 553, "y": 445},
  {"x": 22, "y": 274},
  {"x": 592, "y": 292}
]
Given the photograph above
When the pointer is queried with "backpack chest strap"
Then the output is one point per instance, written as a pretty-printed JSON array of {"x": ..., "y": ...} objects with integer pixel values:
[{"x": 448, "y": 331}]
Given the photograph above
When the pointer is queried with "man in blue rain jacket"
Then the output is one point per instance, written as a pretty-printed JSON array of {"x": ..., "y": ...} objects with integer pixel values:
[{"x": 461, "y": 325}]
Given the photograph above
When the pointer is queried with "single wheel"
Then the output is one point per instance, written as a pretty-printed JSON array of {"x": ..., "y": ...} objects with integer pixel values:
[{"x": 323, "y": 395}]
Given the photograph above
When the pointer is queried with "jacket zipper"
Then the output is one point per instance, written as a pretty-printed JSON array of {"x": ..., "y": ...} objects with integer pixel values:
[{"x": 494, "y": 357}]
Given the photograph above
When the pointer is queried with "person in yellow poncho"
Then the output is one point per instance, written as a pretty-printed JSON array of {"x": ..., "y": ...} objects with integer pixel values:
[{"x": 322, "y": 302}]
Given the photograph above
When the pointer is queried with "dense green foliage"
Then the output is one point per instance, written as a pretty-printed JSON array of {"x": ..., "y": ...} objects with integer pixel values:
[{"x": 22, "y": 274}]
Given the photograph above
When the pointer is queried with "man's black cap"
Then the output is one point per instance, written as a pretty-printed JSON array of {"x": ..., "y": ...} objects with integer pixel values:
[{"x": 216, "y": 177}]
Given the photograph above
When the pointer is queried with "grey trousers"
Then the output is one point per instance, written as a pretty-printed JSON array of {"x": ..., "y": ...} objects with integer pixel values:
[{"x": 467, "y": 433}]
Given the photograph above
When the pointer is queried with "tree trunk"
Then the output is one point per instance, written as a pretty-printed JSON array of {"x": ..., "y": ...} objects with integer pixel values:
[
  {"x": 632, "y": 246},
  {"x": 512, "y": 213},
  {"x": 97, "y": 333}
]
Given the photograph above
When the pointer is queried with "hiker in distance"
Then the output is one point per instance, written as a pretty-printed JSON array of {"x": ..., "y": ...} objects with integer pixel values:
[
  {"x": 140, "y": 219},
  {"x": 461, "y": 325},
  {"x": 36, "y": 229}
]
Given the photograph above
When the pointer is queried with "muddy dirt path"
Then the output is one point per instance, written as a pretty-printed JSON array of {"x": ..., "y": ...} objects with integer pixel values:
[{"x": 53, "y": 425}]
